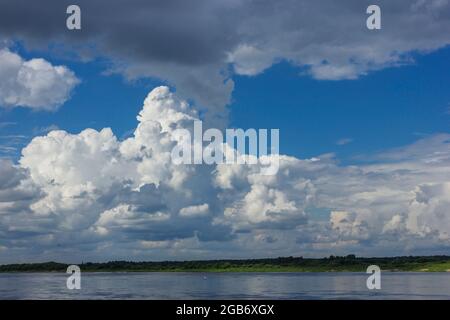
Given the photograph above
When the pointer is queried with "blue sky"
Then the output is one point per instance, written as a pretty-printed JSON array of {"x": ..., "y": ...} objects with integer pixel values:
[
  {"x": 99, "y": 101},
  {"x": 384, "y": 109}
]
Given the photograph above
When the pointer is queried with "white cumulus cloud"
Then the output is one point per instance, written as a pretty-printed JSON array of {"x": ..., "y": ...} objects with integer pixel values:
[
  {"x": 34, "y": 83},
  {"x": 94, "y": 196}
]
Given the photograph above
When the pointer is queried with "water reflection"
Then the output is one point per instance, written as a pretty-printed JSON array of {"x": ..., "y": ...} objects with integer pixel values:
[{"x": 225, "y": 286}]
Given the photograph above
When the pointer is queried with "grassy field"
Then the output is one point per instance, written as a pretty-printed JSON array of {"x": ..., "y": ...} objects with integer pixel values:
[{"x": 433, "y": 267}]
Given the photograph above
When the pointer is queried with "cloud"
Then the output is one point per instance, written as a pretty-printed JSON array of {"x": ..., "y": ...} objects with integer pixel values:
[
  {"x": 344, "y": 141},
  {"x": 198, "y": 47},
  {"x": 195, "y": 211},
  {"x": 428, "y": 211},
  {"x": 46, "y": 129},
  {"x": 17, "y": 192},
  {"x": 11, "y": 144},
  {"x": 35, "y": 83},
  {"x": 348, "y": 225},
  {"x": 7, "y": 124},
  {"x": 92, "y": 196}
]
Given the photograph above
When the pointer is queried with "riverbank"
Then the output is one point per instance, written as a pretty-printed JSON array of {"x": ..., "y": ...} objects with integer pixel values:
[{"x": 348, "y": 263}]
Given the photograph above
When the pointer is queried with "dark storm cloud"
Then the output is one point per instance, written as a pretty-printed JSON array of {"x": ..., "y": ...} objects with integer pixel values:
[
  {"x": 181, "y": 32},
  {"x": 11, "y": 177},
  {"x": 192, "y": 44}
]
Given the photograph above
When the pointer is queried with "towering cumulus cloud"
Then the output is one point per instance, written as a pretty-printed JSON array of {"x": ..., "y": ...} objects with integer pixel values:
[{"x": 92, "y": 196}]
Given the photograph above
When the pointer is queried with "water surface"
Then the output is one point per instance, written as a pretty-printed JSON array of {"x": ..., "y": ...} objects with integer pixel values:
[{"x": 185, "y": 285}]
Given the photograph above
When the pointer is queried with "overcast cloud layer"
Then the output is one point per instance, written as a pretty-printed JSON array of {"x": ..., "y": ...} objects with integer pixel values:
[
  {"x": 197, "y": 45},
  {"x": 91, "y": 196}
]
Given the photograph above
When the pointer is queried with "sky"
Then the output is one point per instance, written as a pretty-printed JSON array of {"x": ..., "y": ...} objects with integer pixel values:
[{"x": 87, "y": 116}]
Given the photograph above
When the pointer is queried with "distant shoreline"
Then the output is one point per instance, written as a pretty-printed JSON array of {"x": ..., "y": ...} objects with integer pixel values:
[{"x": 348, "y": 263}]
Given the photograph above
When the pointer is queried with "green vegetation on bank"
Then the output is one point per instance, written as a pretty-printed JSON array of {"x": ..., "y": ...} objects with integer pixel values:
[{"x": 283, "y": 264}]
